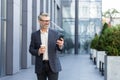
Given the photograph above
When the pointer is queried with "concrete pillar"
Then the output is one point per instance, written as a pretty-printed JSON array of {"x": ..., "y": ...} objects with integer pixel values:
[
  {"x": 76, "y": 26},
  {"x": 12, "y": 37},
  {"x": 26, "y": 33},
  {"x": 0, "y": 40}
]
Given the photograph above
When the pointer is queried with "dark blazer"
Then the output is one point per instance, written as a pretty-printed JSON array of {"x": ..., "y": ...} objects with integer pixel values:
[{"x": 52, "y": 50}]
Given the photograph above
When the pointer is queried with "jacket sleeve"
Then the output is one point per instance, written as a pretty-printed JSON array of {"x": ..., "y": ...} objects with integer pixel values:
[{"x": 33, "y": 49}]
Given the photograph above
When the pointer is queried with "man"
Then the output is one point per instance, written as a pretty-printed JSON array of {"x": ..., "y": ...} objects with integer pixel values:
[{"x": 44, "y": 45}]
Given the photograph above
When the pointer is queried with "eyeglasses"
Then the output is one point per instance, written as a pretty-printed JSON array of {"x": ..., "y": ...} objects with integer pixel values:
[{"x": 45, "y": 20}]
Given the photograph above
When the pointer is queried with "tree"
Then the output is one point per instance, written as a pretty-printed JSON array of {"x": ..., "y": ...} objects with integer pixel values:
[{"x": 110, "y": 13}]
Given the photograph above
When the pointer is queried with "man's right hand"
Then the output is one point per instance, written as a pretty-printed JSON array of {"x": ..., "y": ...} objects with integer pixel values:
[{"x": 41, "y": 49}]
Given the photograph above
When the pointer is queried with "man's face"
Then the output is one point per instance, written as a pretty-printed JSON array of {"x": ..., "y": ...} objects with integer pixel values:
[{"x": 44, "y": 22}]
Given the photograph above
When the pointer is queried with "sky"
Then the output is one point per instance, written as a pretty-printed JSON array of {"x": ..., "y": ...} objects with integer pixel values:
[{"x": 108, "y": 4}]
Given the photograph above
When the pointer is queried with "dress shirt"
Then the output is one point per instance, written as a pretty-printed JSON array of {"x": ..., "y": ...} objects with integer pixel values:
[{"x": 44, "y": 40}]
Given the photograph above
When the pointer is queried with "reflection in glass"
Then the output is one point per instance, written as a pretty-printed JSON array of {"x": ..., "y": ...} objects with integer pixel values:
[{"x": 89, "y": 23}]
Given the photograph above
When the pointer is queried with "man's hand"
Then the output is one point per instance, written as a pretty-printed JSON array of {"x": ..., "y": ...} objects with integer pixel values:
[
  {"x": 60, "y": 42},
  {"x": 42, "y": 49}
]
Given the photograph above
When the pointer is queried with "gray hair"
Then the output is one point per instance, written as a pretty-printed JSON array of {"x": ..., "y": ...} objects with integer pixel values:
[{"x": 42, "y": 14}]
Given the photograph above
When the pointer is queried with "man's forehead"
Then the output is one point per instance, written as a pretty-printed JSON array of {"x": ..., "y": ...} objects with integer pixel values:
[{"x": 46, "y": 17}]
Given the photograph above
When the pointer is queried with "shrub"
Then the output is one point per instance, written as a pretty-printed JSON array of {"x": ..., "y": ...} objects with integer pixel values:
[
  {"x": 100, "y": 44},
  {"x": 112, "y": 41},
  {"x": 94, "y": 42},
  {"x": 108, "y": 41}
]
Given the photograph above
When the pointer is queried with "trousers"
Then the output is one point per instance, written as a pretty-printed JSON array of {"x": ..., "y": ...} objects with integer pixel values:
[{"x": 47, "y": 73}]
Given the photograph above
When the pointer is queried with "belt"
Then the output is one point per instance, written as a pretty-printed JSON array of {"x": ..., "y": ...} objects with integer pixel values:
[{"x": 45, "y": 61}]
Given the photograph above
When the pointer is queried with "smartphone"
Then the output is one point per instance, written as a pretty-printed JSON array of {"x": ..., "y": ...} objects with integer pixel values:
[{"x": 61, "y": 36}]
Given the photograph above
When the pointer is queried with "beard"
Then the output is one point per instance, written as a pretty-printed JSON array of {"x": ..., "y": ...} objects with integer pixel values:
[{"x": 44, "y": 27}]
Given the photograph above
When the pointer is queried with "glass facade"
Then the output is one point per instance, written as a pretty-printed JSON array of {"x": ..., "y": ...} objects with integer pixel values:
[
  {"x": 69, "y": 24},
  {"x": 89, "y": 22}
]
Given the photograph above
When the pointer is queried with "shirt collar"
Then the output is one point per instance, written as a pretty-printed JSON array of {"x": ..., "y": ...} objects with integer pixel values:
[{"x": 44, "y": 31}]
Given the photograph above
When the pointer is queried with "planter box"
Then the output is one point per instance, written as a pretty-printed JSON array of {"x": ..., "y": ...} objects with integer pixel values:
[
  {"x": 100, "y": 57},
  {"x": 100, "y": 61},
  {"x": 93, "y": 55},
  {"x": 112, "y": 67}
]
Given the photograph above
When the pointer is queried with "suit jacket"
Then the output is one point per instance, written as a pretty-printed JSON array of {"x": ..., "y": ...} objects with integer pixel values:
[{"x": 52, "y": 50}]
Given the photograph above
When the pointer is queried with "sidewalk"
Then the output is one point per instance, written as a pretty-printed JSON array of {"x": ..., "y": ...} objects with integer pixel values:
[
  {"x": 79, "y": 67},
  {"x": 75, "y": 67}
]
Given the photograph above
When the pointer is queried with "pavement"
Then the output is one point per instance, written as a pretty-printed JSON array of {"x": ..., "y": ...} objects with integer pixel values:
[{"x": 74, "y": 67}]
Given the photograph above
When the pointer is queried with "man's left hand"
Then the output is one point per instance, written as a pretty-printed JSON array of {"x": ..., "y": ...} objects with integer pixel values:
[{"x": 60, "y": 42}]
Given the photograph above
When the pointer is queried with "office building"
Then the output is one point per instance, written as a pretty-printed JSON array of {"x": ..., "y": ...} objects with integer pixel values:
[{"x": 79, "y": 20}]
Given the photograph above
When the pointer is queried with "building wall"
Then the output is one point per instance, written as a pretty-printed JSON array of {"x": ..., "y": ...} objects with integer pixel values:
[
  {"x": 17, "y": 54},
  {"x": 38, "y": 12},
  {"x": 29, "y": 31},
  {"x": 9, "y": 37},
  {"x": 49, "y": 1},
  {"x": 16, "y": 36}
]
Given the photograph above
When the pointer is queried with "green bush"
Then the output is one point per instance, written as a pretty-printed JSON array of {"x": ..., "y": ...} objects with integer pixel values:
[
  {"x": 100, "y": 43},
  {"x": 112, "y": 41},
  {"x": 101, "y": 46},
  {"x": 94, "y": 42},
  {"x": 109, "y": 40}
]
